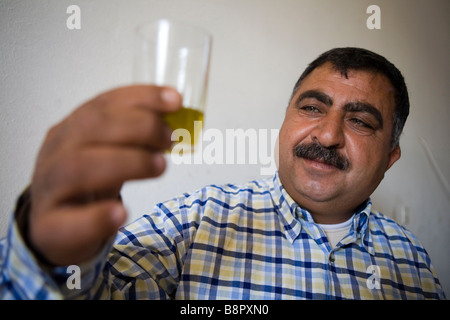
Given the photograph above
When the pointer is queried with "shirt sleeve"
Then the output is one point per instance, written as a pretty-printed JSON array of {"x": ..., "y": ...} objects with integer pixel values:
[
  {"x": 21, "y": 275},
  {"x": 430, "y": 285},
  {"x": 144, "y": 261},
  {"x": 147, "y": 259},
  {"x": 24, "y": 276}
]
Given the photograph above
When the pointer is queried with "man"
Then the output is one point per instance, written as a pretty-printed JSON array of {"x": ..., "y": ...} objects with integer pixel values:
[{"x": 309, "y": 232}]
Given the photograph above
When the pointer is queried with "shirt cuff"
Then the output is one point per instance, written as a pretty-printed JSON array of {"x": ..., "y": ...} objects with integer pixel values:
[
  {"x": 30, "y": 277},
  {"x": 27, "y": 278}
]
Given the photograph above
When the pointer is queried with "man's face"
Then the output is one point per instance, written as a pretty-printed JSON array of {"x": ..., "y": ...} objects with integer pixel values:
[{"x": 334, "y": 144}]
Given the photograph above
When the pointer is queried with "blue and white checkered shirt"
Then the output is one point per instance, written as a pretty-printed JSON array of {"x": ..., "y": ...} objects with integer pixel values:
[{"x": 235, "y": 242}]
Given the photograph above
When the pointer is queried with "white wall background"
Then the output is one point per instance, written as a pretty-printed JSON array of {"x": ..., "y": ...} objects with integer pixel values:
[{"x": 260, "y": 48}]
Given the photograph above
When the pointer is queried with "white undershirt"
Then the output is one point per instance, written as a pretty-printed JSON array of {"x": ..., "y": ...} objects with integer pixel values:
[{"x": 335, "y": 232}]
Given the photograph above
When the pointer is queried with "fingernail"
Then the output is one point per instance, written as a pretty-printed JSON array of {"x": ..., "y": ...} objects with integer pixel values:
[
  {"x": 118, "y": 215},
  {"x": 170, "y": 96},
  {"x": 159, "y": 163}
]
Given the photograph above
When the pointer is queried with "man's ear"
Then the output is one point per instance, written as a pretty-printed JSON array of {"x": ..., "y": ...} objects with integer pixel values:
[{"x": 394, "y": 156}]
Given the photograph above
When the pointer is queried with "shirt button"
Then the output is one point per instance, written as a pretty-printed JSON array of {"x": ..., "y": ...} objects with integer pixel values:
[{"x": 331, "y": 258}]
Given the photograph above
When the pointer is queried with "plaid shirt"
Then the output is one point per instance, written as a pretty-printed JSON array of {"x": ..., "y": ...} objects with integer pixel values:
[{"x": 236, "y": 242}]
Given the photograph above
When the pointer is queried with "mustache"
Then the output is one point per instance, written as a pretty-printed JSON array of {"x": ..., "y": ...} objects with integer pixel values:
[{"x": 316, "y": 152}]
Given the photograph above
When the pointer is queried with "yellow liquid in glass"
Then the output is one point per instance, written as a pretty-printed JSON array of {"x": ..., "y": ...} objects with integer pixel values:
[{"x": 184, "y": 119}]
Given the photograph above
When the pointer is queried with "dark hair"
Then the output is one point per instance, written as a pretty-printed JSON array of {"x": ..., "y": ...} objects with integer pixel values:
[{"x": 344, "y": 59}]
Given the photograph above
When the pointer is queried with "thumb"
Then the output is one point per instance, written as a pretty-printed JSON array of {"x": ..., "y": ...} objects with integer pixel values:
[{"x": 74, "y": 234}]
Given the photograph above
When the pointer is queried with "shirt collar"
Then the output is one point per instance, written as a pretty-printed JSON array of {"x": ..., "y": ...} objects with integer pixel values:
[
  {"x": 286, "y": 208},
  {"x": 291, "y": 214},
  {"x": 361, "y": 228}
]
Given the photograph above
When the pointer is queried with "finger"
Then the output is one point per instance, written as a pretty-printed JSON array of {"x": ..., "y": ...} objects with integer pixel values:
[
  {"x": 154, "y": 98},
  {"x": 73, "y": 234},
  {"x": 74, "y": 175},
  {"x": 127, "y": 115},
  {"x": 131, "y": 127}
]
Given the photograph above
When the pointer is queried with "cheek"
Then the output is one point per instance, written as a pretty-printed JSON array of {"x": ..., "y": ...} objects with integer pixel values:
[
  {"x": 366, "y": 158},
  {"x": 292, "y": 133}
]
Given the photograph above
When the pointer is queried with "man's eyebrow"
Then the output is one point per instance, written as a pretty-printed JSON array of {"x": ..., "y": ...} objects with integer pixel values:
[
  {"x": 318, "y": 95},
  {"x": 365, "y": 107},
  {"x": 349, "y": 107}
]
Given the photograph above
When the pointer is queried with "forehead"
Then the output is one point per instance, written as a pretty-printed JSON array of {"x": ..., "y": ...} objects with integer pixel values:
[{"x": 358, "y": 86}]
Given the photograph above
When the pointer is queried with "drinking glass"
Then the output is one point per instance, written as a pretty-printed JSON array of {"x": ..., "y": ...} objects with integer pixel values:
[{"x": 176, "y": 54}]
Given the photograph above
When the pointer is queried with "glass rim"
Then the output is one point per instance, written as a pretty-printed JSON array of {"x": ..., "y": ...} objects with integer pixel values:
[{"x": 179, "y": 25}]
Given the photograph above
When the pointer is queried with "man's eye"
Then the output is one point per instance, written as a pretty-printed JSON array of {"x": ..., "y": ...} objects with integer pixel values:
[
  {"x": 310, "y": 109},
  {"x": 361, "y": 123}
]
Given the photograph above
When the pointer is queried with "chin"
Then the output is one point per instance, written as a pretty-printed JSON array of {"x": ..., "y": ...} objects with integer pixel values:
[{"x": 316, "y": 191}]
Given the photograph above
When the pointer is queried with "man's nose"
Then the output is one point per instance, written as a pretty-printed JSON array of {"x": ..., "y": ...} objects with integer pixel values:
[{"x": 329, "y": 131}]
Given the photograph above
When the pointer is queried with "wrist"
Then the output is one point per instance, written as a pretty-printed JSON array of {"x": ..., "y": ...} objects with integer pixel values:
[{"x": 22, "y": 216}]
